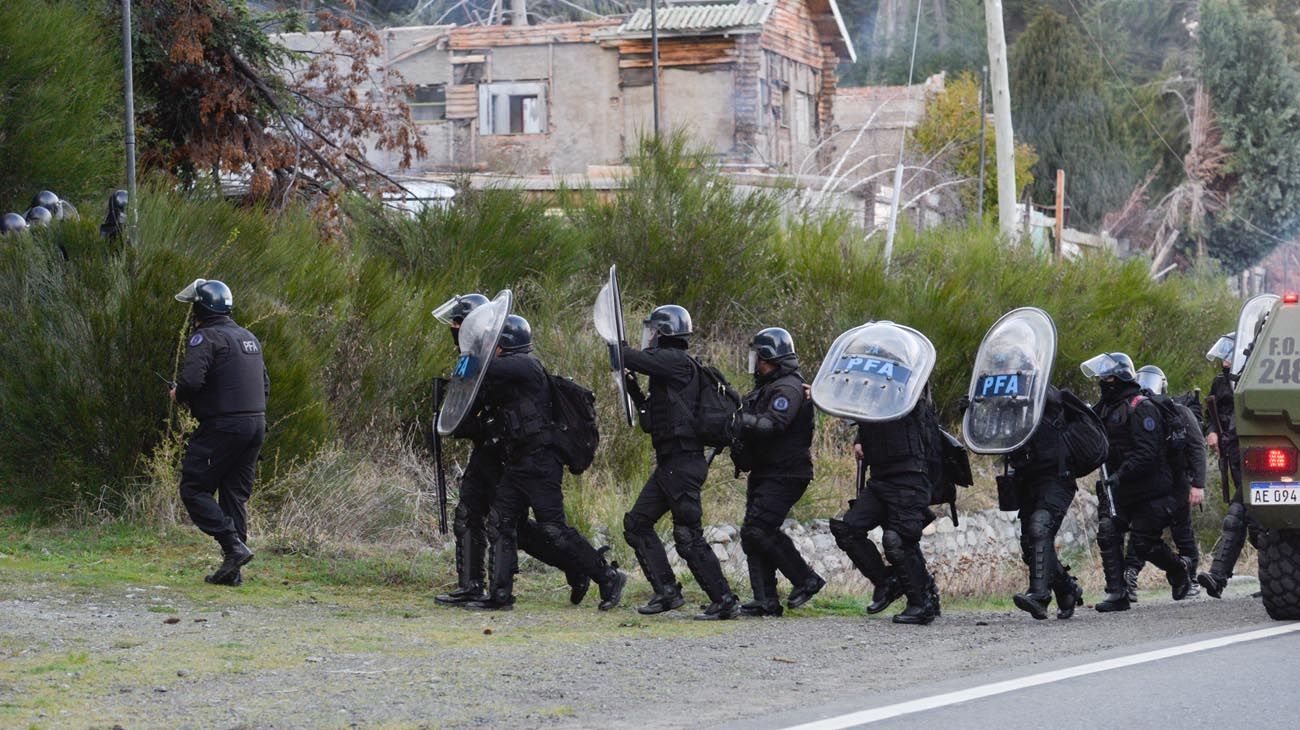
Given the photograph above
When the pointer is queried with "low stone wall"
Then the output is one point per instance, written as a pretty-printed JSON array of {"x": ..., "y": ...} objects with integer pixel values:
[{"x": 991, "y": 535}]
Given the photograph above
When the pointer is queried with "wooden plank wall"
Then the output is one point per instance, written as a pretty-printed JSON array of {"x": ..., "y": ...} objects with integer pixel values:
[
  {"x": 488, "y": 36},
  {"x": 791, "y": 32},
  {"x": 697, "y": 51},
  {"x": 749, "y": 99}
]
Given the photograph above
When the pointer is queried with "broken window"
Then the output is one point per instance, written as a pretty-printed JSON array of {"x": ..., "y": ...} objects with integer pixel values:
[
  {"x": 512, "y": 108},
  {"x": 428, "y": 103}
]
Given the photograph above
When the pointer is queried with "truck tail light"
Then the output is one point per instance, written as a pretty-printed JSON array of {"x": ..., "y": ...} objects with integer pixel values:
[{"x": 1270, "y": 460}]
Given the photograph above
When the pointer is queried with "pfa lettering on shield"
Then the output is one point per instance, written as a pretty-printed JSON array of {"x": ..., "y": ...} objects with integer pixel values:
[
  {"x": 1004, "y": 385},
  {"x": 875, "y": 368}
]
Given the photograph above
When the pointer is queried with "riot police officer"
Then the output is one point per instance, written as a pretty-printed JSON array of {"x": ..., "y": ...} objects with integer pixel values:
[
  {"x": 667, "y": 414},
  {"x": 1189, "y": 484},
  {"x": 517, "y": 402},
  {"x": 115, "y": 219},
  {"x": 1221, "y": 438},
  {"x": 1139, "y": 486},
  {"x": 483, "y": 471},
  {"x": 224, "y": 382},
  {"x": 773, "y": 443}
]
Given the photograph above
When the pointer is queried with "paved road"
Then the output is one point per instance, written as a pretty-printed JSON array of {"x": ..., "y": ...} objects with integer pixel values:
[{"x": 1255, "y": 671}]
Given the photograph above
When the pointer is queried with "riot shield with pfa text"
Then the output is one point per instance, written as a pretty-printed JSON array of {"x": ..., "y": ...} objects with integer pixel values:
[
  {"x": 1252, "y": 316},
  {"x": 608, "y": 316},
  {"x": 1008, "y": 387},
  {"x": 874, "y": 372},
  {"x": 478, "y": 344}
]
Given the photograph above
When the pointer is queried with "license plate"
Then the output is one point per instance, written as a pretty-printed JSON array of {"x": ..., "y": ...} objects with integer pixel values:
[{"x": 1271, "y": 493}]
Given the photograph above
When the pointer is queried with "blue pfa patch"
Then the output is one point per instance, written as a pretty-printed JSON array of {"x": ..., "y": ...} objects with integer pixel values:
[
  {"x": 1149, "y": 423},
  {"x": 781, "y": 403},
  {"x": 1003, "y": 386},
  {"x": 876, "y": 368},
  {"x": 196, "y": 340}
]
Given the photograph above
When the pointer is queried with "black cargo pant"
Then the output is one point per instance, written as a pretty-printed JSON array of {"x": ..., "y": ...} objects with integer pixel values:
[
  {"x": 901, "y": 506},
  {"x": 221, "y": 460},
  {"x": 534, "y": 481},
  {"x": 768, "y": 499},
  {"x": 674, "y": 487},
  {"x": 478, "y": 488},
  {"x": 1146, "y": 520},
  {"x": 1182, "y": 533},
  {"x": 1044, "y": 501}
]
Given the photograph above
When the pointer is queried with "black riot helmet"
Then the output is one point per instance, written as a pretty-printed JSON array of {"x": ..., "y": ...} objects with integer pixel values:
[
  {"x": 209, "y": 298},
  {"x": 453, "y": 311},
  {"x": 516, "y": 335},
  {"x": 772, "y": 344},
  {"x": 39, "y": 216},
  {"x": 669, "y": 320},
  {"x": 115, "y": 219},
  {"x": 1153, "y": 379},
  {"x": 1110, "y": 364},
  {"x": 12, "y": 223}
]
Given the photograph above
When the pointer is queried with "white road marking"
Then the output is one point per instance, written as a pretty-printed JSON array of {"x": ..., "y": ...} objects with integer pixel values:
[{"x": 887, "y": 712}]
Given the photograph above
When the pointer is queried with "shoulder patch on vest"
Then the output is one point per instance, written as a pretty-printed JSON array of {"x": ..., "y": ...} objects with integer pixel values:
[
  {"x": 249, "y": 346},
  {"x": 196, "y": 340},
  {"x": 1149, "y": 423},
  {"x": 781, "y": 403}
]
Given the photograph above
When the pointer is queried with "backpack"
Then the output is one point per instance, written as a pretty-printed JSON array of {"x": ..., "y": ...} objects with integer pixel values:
[
  {"x": 1175, "y": 437},
  {"x": 576, "y": 435},
  {"x": 953, "y": 470},
  {"x": 1084, "y": 445},
  {"x": 715, "y": 406}
]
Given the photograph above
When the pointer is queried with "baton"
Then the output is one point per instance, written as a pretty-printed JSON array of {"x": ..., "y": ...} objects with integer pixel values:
[
  {"x": 1105, "y": 490},
  {"x": 862, "y": 476},
  {"x": 170, "y": 383},
  {"x": 440, "y": 476}
]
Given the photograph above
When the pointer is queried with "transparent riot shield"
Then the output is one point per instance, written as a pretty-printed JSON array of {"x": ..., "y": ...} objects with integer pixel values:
[
  {"x": 478, "y": 344},
  {"x": 1252, "y": 316},
  {"x": 874, "y": 372},
  {"x": 1008, "y": 386},
  {"x": 608, "y": 317}
]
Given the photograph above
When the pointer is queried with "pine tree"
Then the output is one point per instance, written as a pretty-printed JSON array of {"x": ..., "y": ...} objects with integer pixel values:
[{"x": 1058, "y": 108}]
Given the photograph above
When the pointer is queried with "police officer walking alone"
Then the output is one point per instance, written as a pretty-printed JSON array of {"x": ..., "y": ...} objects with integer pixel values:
[
  {"x": 224, "y": 382},
  {"x": 680, "y": 469},
  {"x": 774, "y": 442}
]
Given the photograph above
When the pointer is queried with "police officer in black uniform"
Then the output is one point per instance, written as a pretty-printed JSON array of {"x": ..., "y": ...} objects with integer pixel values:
[
  {"x": 680, "y": 469},
  {"x": 483, "y": 471},
  {"x": 1044, "y": 490},
  {"x": 516, "y": 396},
  {"x": 1221, "y": 438},
  {"x": 224, "y": 382},
  {"x": 774, "y": 444},
  {"x": 897, "y": 498},
  {"x": 1189, "y": 483},
  {"x": 1139, "y": 480}
]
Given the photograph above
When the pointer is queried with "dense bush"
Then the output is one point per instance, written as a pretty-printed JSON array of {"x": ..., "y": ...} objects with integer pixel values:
[{"x": 351, "y": 345}]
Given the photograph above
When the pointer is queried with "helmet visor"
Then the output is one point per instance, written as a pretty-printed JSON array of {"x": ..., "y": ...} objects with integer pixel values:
[
  {"x": 191, "y": 292},
  {"x": 648, "y": 336},
  {"x": 1222, "y": 349},
  {"x": 753, "y": 361},
  {"x": 1101, "y": 366},
  {"x": 1151, "y": 381},
  {"x": 444, "y": 310}
]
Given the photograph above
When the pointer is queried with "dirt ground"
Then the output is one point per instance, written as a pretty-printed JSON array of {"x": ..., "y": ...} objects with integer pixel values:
[{"x": 79, "y": 651}]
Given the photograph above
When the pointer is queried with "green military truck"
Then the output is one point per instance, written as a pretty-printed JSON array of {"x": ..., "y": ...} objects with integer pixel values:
[{"x": 1267, "y": 402}]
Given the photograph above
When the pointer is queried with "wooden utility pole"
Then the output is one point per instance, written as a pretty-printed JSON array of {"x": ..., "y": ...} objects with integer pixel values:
[
  {"x": 1060, "y": 215},
  {"x": 1005, "y": 141}
]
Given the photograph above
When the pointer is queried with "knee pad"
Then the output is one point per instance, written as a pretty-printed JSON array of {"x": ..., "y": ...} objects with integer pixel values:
[
  {"x": 1236, "y": 517},
  {"x": 635, "y": 526},
  {"x": 753, "y": 539},
  {"x": 895, "y": 547},
  {"x": 1039, "y": 526},
  {"x": 688, "y": 535},
  {"x": 555, "y": 533}
]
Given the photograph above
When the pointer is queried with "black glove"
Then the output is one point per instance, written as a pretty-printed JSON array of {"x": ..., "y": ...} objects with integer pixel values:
[{"x": 963, "y": 403}]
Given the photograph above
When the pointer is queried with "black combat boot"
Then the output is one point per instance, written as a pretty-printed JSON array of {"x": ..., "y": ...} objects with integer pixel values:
[
  {"x": 470, "y": 549},
  {"x": 1068, "y": 593},
  {"x": 1039, "y": 596},
  {"x": 499, "y": 600},
  {"x": 804, "y": 593},
  {"x": 235, "y": 555},
  {"x": 1131, "y": 584},
  {"x": 934, "y": 598},
  {"x": 884, "y": 594},
  {"x": 502, "y": 565},
  {"x": 579, "y": 584},
  {"x": 611, "y": 588},
  {"x": 1225, "y": 558},
  {"x": 1175, "y": 570},
  {"x": 915, "y": 580},
  {"x": 1110, "y": 544},
  {"x": 666, "y": 598},
  {"x": 464, "y": 594},
  {"x": 1193, "y": 589},
  {"x": 762, "y": 578},
  {"x": 726, "y": 607},
  {"x": 1212, "y": 584},
  {"x": 235, "y": 580}
]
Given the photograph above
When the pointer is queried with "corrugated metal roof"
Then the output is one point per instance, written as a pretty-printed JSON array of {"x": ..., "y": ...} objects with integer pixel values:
[{"x": 687, "y": 18}]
